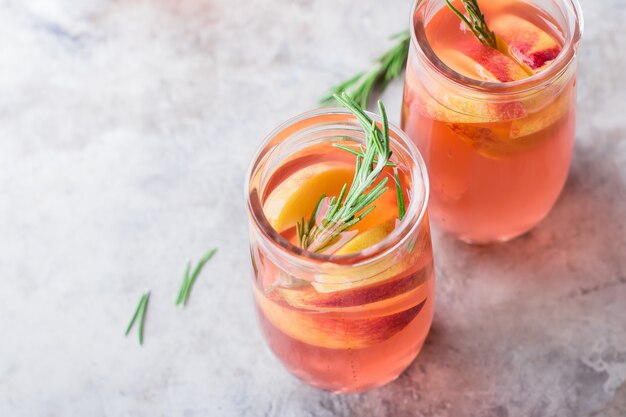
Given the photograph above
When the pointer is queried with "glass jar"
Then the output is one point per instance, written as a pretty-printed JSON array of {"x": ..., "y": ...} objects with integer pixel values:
[
  {"x": 498, "y": 153},
  {"x": 342, "y": 323}
]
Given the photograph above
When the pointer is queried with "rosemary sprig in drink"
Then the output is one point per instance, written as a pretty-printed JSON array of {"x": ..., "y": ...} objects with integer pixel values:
[
  {"x": 140, "y": 312},
  {"x": 354, "y": 204},
  {"x": 476, "y": 22},
  {"x": 386, "y": 67}
]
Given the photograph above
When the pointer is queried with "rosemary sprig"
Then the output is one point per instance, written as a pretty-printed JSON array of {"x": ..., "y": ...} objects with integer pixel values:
[
  {"x": 399, "y": 194},
  {"x": 140, "y": 312},
  {"x": 385, "y": 68},
  {"x": 476, "y": 22},
  {"x": 189, "y": 279},
  {"x": 343, "y": 211}
]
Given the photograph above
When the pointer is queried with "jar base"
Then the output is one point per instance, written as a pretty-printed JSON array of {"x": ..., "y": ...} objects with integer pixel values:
[
  {"x": 354, "y": 389},
  {"x": 483, "y": 240}
]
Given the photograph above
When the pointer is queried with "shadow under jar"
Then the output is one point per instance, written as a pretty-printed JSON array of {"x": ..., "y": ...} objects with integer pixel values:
[
  {"x": 343, "y": 323},
  {"x": 497, "y": 137}
]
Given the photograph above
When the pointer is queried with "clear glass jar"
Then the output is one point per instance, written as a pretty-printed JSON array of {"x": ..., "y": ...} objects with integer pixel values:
[
  {"x": 498, "y": 153},
  {"x": 342, "y": 323}
]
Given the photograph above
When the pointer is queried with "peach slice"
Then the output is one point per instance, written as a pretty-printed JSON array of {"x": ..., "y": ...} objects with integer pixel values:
[
  {"x": 420, "y": 256},
  {"x": 442, "y": 104},
  {"x": 499, "y": 140},
  {"x": 478, "y": 61},
  {"x": 334, "y": 332},
  {"x": 413, "y": 258},
  {"x": 383, "y": 307},
  {"x": 492, "y": 142},
  {"x": 366, "y": 239},
  {"x": 417, "y": 99},
  {"x": 327, "y": 283},
  {"x": 542, "y": 118},
  {"x": 530, "y": 46},
  {"x": 346, "y": 300},
  {"x": 297, "y": 196}
]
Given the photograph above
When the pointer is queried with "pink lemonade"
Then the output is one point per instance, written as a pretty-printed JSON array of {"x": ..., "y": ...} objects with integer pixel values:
[
  {"x": 495, "y": 126},
  {"x": 356, "y": 315}
]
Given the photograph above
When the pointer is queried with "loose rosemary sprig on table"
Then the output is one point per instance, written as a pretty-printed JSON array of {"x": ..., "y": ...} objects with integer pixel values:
[
  {"x": 183, "y": 294},
  {"x": 190, "y": 278},
  {"x": 476, "y": 22},
  {"x": 343, "y": 211},
  {"x": 140, "y": 312},
  {"x": 385, "y": 68}
]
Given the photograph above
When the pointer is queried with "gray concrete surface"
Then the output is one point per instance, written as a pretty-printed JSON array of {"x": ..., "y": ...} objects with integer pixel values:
[{"x": 125, "y": 130}]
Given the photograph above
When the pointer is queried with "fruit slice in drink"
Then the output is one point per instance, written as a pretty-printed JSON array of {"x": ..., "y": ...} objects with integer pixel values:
[
  {"x": 336, "y": 331},
  {"x": 308, "y": 297},
  {"x": 480, "y": 62},
  {"x": 532, "y": 47},
  {"x": 296, "y": 196}
]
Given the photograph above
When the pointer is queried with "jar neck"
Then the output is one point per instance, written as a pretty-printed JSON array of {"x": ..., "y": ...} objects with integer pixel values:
[
  {"x": 305, "y": 131},
  {"x": 566, "y": 13}
]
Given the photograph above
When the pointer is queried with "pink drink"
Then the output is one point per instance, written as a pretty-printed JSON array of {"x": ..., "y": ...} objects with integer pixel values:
[{"x": 495, "y": 126}]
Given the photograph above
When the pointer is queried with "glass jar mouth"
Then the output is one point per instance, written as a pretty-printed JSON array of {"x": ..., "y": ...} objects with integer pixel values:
[
  {"x": 415, "y": 212},
  {"x": 559, "y": 66}
]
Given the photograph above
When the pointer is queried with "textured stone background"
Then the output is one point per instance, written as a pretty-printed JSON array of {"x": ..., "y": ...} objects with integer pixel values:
[{"x": 125, "y": 130}]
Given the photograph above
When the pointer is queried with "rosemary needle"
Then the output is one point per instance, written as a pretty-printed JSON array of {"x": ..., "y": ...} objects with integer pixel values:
[
  {"x": 189, "y": 280},
  {"x": 132, "y": 321},
  {"x": 399, "y": 194},
  {"x": 142, "y": 316},
  {"x": 140, "y": 312},
  {"x": 359, "y": 153},
  {"x": 181, "y": 291}
]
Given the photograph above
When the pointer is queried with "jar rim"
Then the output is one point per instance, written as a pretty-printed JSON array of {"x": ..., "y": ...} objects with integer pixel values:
[
  {"x": 557, "y": 68},
  {"x": 415, "y": 212}
]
